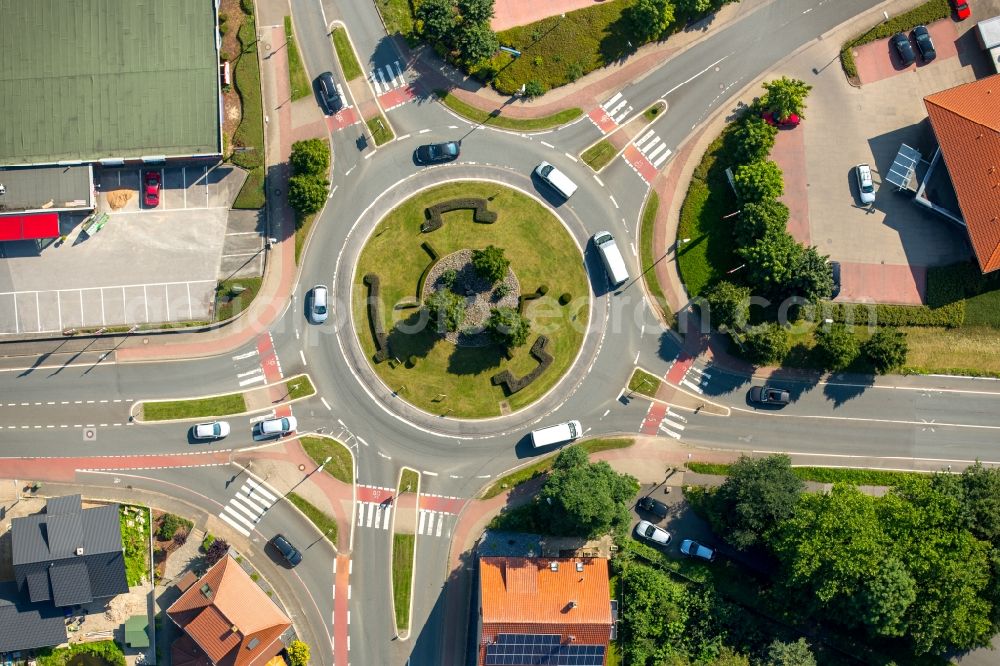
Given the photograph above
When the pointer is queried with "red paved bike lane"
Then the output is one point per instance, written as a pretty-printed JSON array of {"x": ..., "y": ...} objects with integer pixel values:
[{"x": 64, "y": 469}]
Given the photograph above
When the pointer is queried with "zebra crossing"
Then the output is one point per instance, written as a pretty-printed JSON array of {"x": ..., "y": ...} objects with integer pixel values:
[
  {"x": 432, "y": 523},
  {"x": 248, "y": 368},
  {"x": 652, "y": 148},
  {"x": 386, "y": 78},
  {"x": 617, "y": 108},
  {"x": 246, "y": 508},
  {"x": 673, "y": 424},
  {"x": 695, "y": 379},
  {"x": 374, "y": 515}
]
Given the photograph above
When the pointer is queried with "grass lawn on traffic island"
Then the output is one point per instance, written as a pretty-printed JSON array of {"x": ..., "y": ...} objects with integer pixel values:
[{"x": 541, "y": 252}]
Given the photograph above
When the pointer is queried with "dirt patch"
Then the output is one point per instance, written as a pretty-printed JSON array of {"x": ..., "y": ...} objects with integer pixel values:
[
  {"x": 118, "y": 198},
  {"x": 232, "y": 112}
]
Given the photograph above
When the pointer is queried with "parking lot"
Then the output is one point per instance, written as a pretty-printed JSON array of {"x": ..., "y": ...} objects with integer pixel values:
[{"x": 146, "y": 265}]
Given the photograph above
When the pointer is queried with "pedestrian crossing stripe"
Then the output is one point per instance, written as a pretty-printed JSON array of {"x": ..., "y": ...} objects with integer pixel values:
[
  {"x": 247, "y": 506},
  {"x": 374, "y": 515},
  {"x": 431, "y": 523}
]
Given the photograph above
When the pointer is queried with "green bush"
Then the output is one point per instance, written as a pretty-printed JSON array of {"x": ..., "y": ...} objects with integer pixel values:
[
  {"x": 298, "y": 653},
  {"x": 951, "y": 315},
  {"x": 169, "y": 526},
  {"x": 886, "y": 349},
  {"x": 107, "y": 651},
  {"x": 207, "y": 542},
  {"x": 247, "y": 7},
  {"x": 837, "y": 346},
  {"x": 310, "y": 157},
  {"x": 490, "y": 263},
  {"x": 928, "y": 12},
  {"x": 565, "y": 298}
]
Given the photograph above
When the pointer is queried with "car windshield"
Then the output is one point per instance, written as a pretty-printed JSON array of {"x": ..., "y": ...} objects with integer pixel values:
[
  {"x": 547, "y": 169},
  {"x": 216, "y": 429},
  {"x": 648, "y": 531},
  {"x": 320, "y": 309},
  {"x": 868, "y": 188}
]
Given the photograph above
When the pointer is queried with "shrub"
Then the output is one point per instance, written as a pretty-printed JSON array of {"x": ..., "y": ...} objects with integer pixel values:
[
  {"x": 729, "y": 306},
  {"x": 503, "y": 289},
  {"x": 533, "y": 89},
  {"x": 512, "y": 384},
  {"x": 307, "y": 193},
  {"x": 447, "y": 310},
  {"x": 951, "y": 315},
  {"x": 759, "y": 218},
  {"x": 168, "y": 527},
  {"x": 427, "y": 269},
  {"x": 837, "y": 346},
  {"x": 490, "y": 263},
  {"x": 752, "y": 139},
  {"x": 411, "y": 361},
  {"x": 886, "y": 349},
  {"x": 207, "y": 542},
  {"x": 298, "y": 653},
  {"x": 766, "y": 344},
  {"x": 449, "y": 277},
  {"x": 181, "y": 538},
  {"x": 480, "y": 212},
  {"x": 375, "y": 317},
  {"x": 758, "y": 181},
  {"x": 247, "y": 7},
  {"x": 310, "y": 157},
  {"x": 543, "y": 289},
  {"x": 223, "y": 29},
  {"x": 508, "y": 326},
  {"x": 565, "y": 298},
  {"x": 216, "y": 551}
]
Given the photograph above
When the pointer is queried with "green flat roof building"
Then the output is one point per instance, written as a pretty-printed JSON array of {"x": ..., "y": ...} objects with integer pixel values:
[{"x": 92, "y": 80}]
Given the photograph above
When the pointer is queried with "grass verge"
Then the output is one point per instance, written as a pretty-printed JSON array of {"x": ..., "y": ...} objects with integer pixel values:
[
  {"x": 302, "y": 227},
  {"x": 345, "y": 54},
  {"x": 928, "y": 12},
  {"x": 299, "y": 387},
  {"x": 647, "y": 226},
  {"x": 135, "y": 542},
  {"x": 402, "y": 577},
  {"x": 858, "y": 477},
  {"x": 341, "y": 465},
  {"x": 323, "y": 522},
  {"x": 379, "y": 129},
  {"x": 397, "y": 16},
  {"x": 644, "y": 383},
  {"x": 517, "y": 477},
  {"x": 296, "y": 72},
  {"x": 652, "y": 113},
  {"x": 409, "y": 482},
  {"x": 248, "y": 140},
  {"x": 221, "y": 405},
  {"x": 598, "y": 155},
  {"x": 228, "y": 304},
  {"x": 503, "y": 122}
]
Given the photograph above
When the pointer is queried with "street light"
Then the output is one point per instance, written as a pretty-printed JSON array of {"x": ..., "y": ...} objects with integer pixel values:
[{"x": 323, "y": 464}]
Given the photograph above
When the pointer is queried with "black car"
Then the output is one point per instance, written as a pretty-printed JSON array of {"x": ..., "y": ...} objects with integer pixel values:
[
  {"x": 835, "y": 270},
  {"x": 433, "y": 153},
  {"x": 768, "y": 395},
  {"x": 903, "y": 48},
  {"x": 329, "y": 96},
  {"x": 653, "y": 506},
  {"x": 287, "y": 550},
  {"x": 924, "y": 43}
]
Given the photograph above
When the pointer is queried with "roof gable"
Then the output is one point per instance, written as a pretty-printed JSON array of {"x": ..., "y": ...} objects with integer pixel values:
[
  {"x": 966, "y": 121},
  {"x": 530, "y": 590}
]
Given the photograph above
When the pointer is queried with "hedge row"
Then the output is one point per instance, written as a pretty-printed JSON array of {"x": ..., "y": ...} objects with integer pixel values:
[
  {"x": 950, "y": 315},
  {"x": 514, "y": 384},
  {"x": 423, "y": 276},
  {"x": 433, "y": 213},
  {"x": 522, "y": 301},
  {"x": 375, "y": 317},
  {"x": 930, "y": 11}
]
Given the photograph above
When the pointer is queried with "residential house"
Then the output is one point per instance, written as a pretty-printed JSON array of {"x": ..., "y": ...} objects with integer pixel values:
[{"x": 539, "y": 610}]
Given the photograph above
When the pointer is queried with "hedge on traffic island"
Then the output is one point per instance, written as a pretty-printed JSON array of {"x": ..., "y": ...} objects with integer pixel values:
[
  {"x": 512, "y": 384},
  {"x": 481, "y": 213},
  {"x": 375, "y": 318}
]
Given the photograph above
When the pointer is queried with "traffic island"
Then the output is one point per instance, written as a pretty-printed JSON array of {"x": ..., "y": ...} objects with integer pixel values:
[
  {"x": 470, "y": 300},
  {"x": 258, "y": 399},
  {"x": 404, "y": 552}
]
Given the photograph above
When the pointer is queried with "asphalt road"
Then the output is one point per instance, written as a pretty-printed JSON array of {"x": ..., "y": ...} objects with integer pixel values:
[{"x": 72, "y": 388}]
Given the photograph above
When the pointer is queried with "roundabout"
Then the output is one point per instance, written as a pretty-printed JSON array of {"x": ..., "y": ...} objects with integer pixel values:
[{"x": 454, "y": 365}]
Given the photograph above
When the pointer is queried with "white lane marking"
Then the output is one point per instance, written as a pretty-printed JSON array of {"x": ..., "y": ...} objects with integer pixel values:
[
  {"x": 645, "y": 137},
  {"x": 420, "y": 524},
  {"x": 599, "y": 182},
  {"x": 236, "y": 526},
  {"x": 661, "y": 159},
  {"x": 613, "y": 201},
  {"x": 649, "y": 146},
  {"x": 692, "y": 386},
  {"x": 621, "y": 117},
  {"x": 547, "y": 144},
  {"x": 359, "y": 439},
  {"x": 669, "y": 433},
  {"x": 694, "y": 77},
  {"x": 617, "y": 108},
  {"x": 261, "y": 489},
  {"x": 253, "y": 380},
  {"x": 440, "y": 525},
  {"x": 423, "y": 471},
  {"x": 423, "y": 131},
  {"x": 385, "y": 518},
  {"x": 636, "y": 358},
  {"x": 326, "y": 404},
  {"x": 652, "y": 154},
  {"x": 571, "y": 157},
  {"x": 302, "y": 355},
  {"x": 405, "y": 136},
  {"x": 611, "y": 101}
]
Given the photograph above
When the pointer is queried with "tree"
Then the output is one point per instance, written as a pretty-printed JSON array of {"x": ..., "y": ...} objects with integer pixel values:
[
  {"x": 509, "y": 328},
  {"x": 758, "y": 180},
  {"x": 648, "y": 19},
  {"x": 446, "y": 309},
  {"x": 298, "y": 653},
  {"x": 757, "y": 219},
  {"x": 729, "y": 306},
  {"x": 812, "y": 277},
  {"x": 692, "y": 8},
  {"x": 785, "y": 97},
  {"x": 490, "y": 263},
  {"x": 533, "y": 89},
  {"x": 771, "y": 262},
  {"x": 790, "y": 654},
  {"x": 837, "y": 346},
  {"x": 766, "y": 344},
  {"x": 438, "y": 18},
  {"x": 652, "y": 615},
  {"x": 886, "y": 349},
  {"x": 216, "y": 551},
  {"x": 758, "y": 494},
  {"x": 476, "y": 41},
  {"x": 310, "y": 157},
  {"x": 885, "y": 598},
  {"x": 584, "y": 499},
  {"x": 476, "y": 11},
  {"x": 752, "y": 139},
  {"x": 307, "y": 194}
]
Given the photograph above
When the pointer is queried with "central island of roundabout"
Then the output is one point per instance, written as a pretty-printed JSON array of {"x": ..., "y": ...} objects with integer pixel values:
[{"x": 470, "y": 300}]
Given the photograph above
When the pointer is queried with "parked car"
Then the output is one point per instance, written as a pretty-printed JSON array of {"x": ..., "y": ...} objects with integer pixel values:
[
  {"x": 962, "y": 10},
  {"x": 835, "y": 270},
  {"x": 652, "y": 533},
  {"x": 903, "y": 48},
  {"x": 866, "y": 187},
  {"x": 287, "y": 550},
  {"x": 318, "y": 306},
  {"x": 785, "y": 123},
  {"x": 925, "y": 44},
  {"x": 329, "y": 95},
  {"x": 434, "y": 153},
  {"x": 768, "y": 395},
  {"x": 151, "y": 188},
  {"x": 697, "y": 551},
  {"x": 653, "y": 506},
  {"x": 211, "y": 430},
  {"x": 275, "y": 427}
]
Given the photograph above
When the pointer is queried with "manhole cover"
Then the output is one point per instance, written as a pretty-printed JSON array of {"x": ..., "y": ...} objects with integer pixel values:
[{"x": 302, "y": 468}]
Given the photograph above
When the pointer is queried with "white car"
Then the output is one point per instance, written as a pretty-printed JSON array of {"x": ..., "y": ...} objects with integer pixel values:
[
  {"x": 212, "y": 430},
  {"x": 318, "y": 309},
  {"x": 275, "y": 427},
  {"x": 652, "y": 533},
  {"x": 866, "y": 188},
  {"x": 697, "y": 551}
]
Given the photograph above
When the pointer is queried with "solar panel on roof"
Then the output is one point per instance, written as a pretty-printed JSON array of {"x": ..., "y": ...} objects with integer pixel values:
[{"x": 541, "y": 650}]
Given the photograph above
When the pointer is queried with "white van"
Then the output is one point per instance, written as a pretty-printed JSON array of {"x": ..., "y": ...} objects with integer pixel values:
[
  {"x": 614, "y": 264},
  {"x": 559, "y": 181},
  {"x": 564, "y": 432}
]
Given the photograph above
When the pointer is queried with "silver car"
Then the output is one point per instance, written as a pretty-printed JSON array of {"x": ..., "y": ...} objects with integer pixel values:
[
  {"x": 212, "y": 430},
  {"x": 697, "y": 551},
  {"x": 319, "y": 308},
  {"x": 652, "y": 533},
  {"x": 275, "y": 427},
  {"x": 866, "y": 187}
]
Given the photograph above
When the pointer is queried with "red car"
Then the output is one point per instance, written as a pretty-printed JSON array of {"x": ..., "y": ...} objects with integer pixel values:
[
  {"x": 784, "y": 123},
  {"x": 151, "y": 182},
  {"x": 962, "y": 10}
]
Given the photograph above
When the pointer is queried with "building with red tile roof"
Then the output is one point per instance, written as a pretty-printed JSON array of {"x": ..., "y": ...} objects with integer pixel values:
[
  {"x": 539, "y": 610},
  {"x": 228, "y": 620},
  {"x": 966, "y": 121}
]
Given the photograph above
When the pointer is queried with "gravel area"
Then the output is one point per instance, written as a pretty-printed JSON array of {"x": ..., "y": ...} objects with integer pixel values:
[{"x": 480, "y": 297}]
